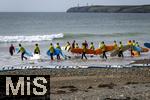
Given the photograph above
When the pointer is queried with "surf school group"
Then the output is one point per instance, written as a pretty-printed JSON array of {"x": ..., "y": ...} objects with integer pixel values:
[{"x": 115, "y": 49}]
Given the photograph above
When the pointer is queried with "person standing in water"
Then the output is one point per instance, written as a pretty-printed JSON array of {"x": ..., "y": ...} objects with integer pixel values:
[
  {"x": 68, "y": 46},
  {"x": 137, "y": 45},
  {"x": 58, "y": 47},
  {"x": 103, "y": 48},
  {"x": 76, "y": 46},
  {"x": 11, "y": 50},
  {"x": 120, "y": 50},
  {"x": 92, "y": 46},
  {"x": 22, "y": 50},
  {"x": 130, "y": 43},
  {"x": 51, "y": 48},
  {"x": 115, "y": 45},
  {"x": 37, "y": 49},
  {"x": 86, "y": 44},
  {"x": 84, "y": 51},
  {"x": 73, "y": 44}
]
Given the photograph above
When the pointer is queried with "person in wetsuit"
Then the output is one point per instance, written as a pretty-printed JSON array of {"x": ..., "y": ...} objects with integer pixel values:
[
  {"x": 58, "y": 47},
  {"x": 103, "y": 48},
  {"x": 37, "y": 49},
  {"x": 51, "y": 48},
  {"x": 22, "y": 50},
  {"x": 84, "y": 47},
  {"x": 11, "y": 50}
]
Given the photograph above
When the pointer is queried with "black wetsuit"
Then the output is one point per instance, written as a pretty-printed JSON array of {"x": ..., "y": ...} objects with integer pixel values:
[{"x": 11, "y": 50}]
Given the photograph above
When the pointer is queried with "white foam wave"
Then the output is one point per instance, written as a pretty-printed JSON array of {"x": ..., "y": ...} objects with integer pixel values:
[{"x": 32, "y": 38}]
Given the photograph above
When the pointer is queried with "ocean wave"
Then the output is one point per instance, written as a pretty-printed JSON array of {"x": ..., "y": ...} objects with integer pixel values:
[{"x": 32, "y": 38}]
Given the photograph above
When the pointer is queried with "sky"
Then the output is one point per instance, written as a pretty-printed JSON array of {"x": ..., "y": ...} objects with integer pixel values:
[{"x": 58, "y": 5}]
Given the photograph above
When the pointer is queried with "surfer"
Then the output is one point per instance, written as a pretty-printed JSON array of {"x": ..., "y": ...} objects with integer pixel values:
[
  {"x": 130, "y": 43},
  {"x": 92, "y": 46},
  {"x": 58, "y": 47},
  {"x": 84, "y": 50},
  {"x": 51, "y": 48},
  {"x": 115, "y": 45},
  {"x": 22, "y": 50},
  {"x": 120, "y": 50},
  {"x": 73, "y": 44},
  {"x": 68, "y": 46},
  {"x": 103, "y": 48},
  {"x": 76, "y": 46},
  {"x": 11, "y": 50},
  {"x": 133, "y": 43},
  {"x": 137, "y": 45},
  {"x": 86, "y": 44},
  {"x": 37, "y": 49}
]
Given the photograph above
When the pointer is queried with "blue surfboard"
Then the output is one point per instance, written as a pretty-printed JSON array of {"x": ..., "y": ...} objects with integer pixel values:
[
  {"x": 147, "y": 45},
  {"x": 28, "y": 53},
  {"x": 139, "y": 49},
  {"x": 56, "y": 52}
]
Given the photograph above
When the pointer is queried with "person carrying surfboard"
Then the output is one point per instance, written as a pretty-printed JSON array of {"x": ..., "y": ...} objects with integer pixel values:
[
  {"x": 130, "y": 43},
  {"x": 103, "y": 48},
  {"x": 11, "y": 50},
  {"x": 84, "y": 51},
  {"x": 68, "y": 46},
  {"x": 58, "y": 47},
  {"x": 137, "y": 45},
  {"x": 22, "y": 50},
  {"x": 115, "y": 45},
  {"x": 92, "y": 46},
  {"x": 51, "y": 48},
  {"x": 37, "y": 49},
  {"x": 86, "y": 44},
  {"x": 76, "y": 46},
  {"x": 120, "y": 50}
]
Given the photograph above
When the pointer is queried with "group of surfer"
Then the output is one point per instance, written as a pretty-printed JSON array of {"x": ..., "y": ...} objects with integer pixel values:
[{"x": 74, "y": 45}]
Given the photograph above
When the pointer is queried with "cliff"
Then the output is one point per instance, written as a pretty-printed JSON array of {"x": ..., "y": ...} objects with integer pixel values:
[{"x": 111, "y": 9}]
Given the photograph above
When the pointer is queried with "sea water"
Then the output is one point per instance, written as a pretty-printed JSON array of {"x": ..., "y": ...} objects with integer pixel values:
[{"x": 45, "y": 28}]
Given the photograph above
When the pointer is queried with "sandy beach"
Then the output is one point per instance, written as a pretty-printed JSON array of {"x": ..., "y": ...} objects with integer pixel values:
[{"x": 95, "y": 83}]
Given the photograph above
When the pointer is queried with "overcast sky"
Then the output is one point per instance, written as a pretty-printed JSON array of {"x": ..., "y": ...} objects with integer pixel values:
[{"x": 58, "y": 5}]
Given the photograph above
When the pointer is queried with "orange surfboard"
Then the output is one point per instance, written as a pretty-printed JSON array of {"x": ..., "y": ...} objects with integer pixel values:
[
  {"x": 145, "y": 50},
  {"x": 135, "y": 54},
  {"x": 108, "y": 48},
  {"x": 80, "y": 51}
]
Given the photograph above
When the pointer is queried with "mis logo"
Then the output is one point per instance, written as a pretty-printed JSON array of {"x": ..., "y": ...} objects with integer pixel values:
[{"x": 22, "y": 86}]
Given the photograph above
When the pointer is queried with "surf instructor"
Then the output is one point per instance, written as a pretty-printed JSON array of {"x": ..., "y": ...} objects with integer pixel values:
[{"x": 22, "y": 50}]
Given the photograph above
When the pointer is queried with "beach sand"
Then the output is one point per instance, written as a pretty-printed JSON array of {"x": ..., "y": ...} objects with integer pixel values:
[{"x": 95, "y": 83}]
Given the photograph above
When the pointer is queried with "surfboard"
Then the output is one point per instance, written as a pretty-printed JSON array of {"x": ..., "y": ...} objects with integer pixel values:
[
  {"x": 27, "y": 52},
  {"x": 135, "y": 53},
  {"x": 56, "y": 52},
  {"x": 147, "y": 45},
  {"x": 116, "y": 51},
  {"x": 108, "y": 48},
  {"x": 35, "y": 57},
  {"x": 80, "y": 51},
  {"x": 66, "y": 48},
  {"x": 139, "y": 49},
  {"x": 145, "y": 50}
]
